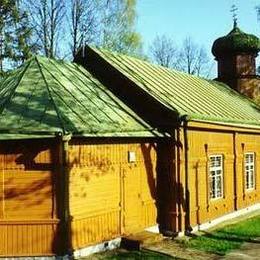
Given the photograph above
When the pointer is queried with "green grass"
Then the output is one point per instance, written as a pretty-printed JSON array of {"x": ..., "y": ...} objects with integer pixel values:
[
  {"x": 138, "y": 255},
  {"x": 222, "y": 240}
]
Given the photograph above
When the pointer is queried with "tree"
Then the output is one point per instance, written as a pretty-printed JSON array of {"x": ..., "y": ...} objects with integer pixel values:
[
  {"x": 46, "y": 18},
  {"x": 164, "y": 52},
  {"x": 14, "y": 35},
  {"x": 117, "y": 32},
  {"x": 83, "y": 21},
  {"x": 258, "y": 19},
  {"x": 193, "y": 59}
]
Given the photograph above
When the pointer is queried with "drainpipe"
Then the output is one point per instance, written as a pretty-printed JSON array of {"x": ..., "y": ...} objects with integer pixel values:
[
  {"x": 64, "y": 194},
  {"x": 184, "y": 122},
  {"x": 235, "y": 169}
]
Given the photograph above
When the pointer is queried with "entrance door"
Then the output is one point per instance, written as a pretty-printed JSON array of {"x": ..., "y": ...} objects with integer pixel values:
[
  {"x": 131, "y": 200},
  {"x": 139, "y": 203}
]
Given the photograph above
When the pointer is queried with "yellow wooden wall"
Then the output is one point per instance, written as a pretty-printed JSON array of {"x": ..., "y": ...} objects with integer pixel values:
[
  {"x": 28, "y": 220},
  {"x": 247, "y": 143},
  {"x": 170, "y": 184},
  {"x": 232, "y": 145},
  {"x": 111, "y": 197},
  {"x": 108, "y": 196}
]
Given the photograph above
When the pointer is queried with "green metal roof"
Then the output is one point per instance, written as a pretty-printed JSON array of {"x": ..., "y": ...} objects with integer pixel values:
[
  {"x": 198, "y": 98},
  {"x": 46, "y": 97}
]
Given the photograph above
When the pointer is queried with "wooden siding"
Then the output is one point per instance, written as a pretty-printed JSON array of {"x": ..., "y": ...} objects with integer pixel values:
[
  {"x": 201, "y": 146},
  {"x": 27, "y": 237},
  {"x": 28, "y": 218},
  {"x": 109, "y": 196},
  {"x": 233, "y": 146},
  {"x": 171, "y": 184},
  {"x": 247, "y": 143}
]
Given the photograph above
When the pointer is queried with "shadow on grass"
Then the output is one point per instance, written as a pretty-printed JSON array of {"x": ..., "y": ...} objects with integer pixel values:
[
  {"x": 139, "y": 255},
  {"x": 228, "y": 238}
]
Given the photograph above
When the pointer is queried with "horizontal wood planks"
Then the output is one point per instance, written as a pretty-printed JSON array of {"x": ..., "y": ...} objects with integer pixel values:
[
  {"x": 247, "y": 143},
  {"x": 232, "y": 146},
  {"x": 28, "y": 217}
]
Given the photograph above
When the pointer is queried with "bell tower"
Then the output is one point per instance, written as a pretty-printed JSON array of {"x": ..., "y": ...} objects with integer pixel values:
[{"x": 235, "y": 54}]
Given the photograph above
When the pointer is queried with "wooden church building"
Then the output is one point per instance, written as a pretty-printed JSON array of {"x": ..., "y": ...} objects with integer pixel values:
[{"x": 94, "y": 152}]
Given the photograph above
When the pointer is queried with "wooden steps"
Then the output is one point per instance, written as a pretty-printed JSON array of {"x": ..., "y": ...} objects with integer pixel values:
[{"x": 139, "y": 240}]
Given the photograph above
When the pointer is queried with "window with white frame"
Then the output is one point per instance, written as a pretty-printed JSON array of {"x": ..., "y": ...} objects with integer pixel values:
[
  {"x": 216, "y": 176},
  {"x": 249, "y": 171}
]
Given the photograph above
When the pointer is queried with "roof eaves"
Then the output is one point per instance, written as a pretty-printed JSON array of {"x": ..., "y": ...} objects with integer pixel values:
[
  {"x": 4, "y": 137},
  {"x": 246, "y": 99},
  {"x": 248, "y": 125},
  {"x": 140, "y": 134}
]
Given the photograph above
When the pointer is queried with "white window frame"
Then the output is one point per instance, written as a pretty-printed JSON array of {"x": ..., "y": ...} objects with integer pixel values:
[
  {"x": 216, "y": 173},
  {"x": 249, "y": 172}
]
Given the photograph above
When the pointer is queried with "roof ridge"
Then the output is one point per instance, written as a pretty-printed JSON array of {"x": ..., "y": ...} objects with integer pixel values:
[
  {"x": 3, "y": 105},
  {"x": 211, "y": 81},
  {"x": 76, "y": 88},
  {"x": 50, "y": 96},
  {"x": 136, "y": 78},
  {"x": 198, "y": 93},
  {"x": 73, "y": 111},
  {"x": 145, "y": 61}
]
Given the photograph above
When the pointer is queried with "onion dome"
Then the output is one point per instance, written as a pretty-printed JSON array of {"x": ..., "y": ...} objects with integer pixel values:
[{"x": 236, "y": 42}]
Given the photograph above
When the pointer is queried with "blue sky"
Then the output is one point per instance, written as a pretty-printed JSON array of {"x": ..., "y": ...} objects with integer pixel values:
[{"x": 203, "y": 20}]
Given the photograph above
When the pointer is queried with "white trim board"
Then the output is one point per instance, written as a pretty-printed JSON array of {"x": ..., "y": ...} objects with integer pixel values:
[
  {"x": 101, "y": 247},
  {"x": 229, "y": 216}
]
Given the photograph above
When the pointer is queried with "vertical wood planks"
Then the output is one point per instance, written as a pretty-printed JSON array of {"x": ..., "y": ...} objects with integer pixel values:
[{"x": 105, "y": 189}]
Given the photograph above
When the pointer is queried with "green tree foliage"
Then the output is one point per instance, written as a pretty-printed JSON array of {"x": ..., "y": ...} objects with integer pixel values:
[
  {"x": 15, "y": 34},
  {"x": 117, "y": 32},
  {"x": 58, "y": 28},
  {"x": 108, "y": 24}
]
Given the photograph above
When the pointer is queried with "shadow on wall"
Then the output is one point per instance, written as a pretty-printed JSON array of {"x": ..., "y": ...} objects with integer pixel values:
[
  {"x": 167, "y": 188},
  {"x": 148, "y": 162},
  {"x": 30, "y": 188}
]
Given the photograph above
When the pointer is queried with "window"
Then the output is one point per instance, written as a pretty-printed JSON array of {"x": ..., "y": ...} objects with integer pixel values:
[
  {"x": 216, "y": 176},
  {"x": 250, "y": 171}
]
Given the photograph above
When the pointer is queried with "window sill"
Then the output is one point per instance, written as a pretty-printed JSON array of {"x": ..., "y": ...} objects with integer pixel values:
[{"x": 216, "y": 199}]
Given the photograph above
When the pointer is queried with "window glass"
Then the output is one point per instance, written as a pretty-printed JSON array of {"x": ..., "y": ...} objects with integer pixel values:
[
  {"x": 249, "y": 171},
  {"x": 216, "y": 176}
]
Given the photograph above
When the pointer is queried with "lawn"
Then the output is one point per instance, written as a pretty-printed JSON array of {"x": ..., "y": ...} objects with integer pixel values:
[
  {"x": 130, "y": 255},
  {"x": 222, "y": 240},
  {"x": 139, "y": 255}
]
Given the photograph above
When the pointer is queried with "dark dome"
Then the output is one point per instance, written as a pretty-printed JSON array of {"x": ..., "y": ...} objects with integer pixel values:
[{"x": 236, "y": 42}]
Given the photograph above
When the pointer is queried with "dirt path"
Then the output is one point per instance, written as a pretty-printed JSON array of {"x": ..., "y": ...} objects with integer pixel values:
[{"x": 248, "y": 251}]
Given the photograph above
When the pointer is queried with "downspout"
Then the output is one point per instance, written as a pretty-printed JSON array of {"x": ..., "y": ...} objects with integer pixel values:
[
  {"x": 64, "y": 195},
  {"x": 184, "y": 123},
  {"x": 235, "y": 169}
]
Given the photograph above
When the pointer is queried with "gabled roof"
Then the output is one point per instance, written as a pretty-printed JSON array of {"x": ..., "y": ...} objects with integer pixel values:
[
  {"x": 45, "y": 97},
  {"x": 199, "y": 99}
]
